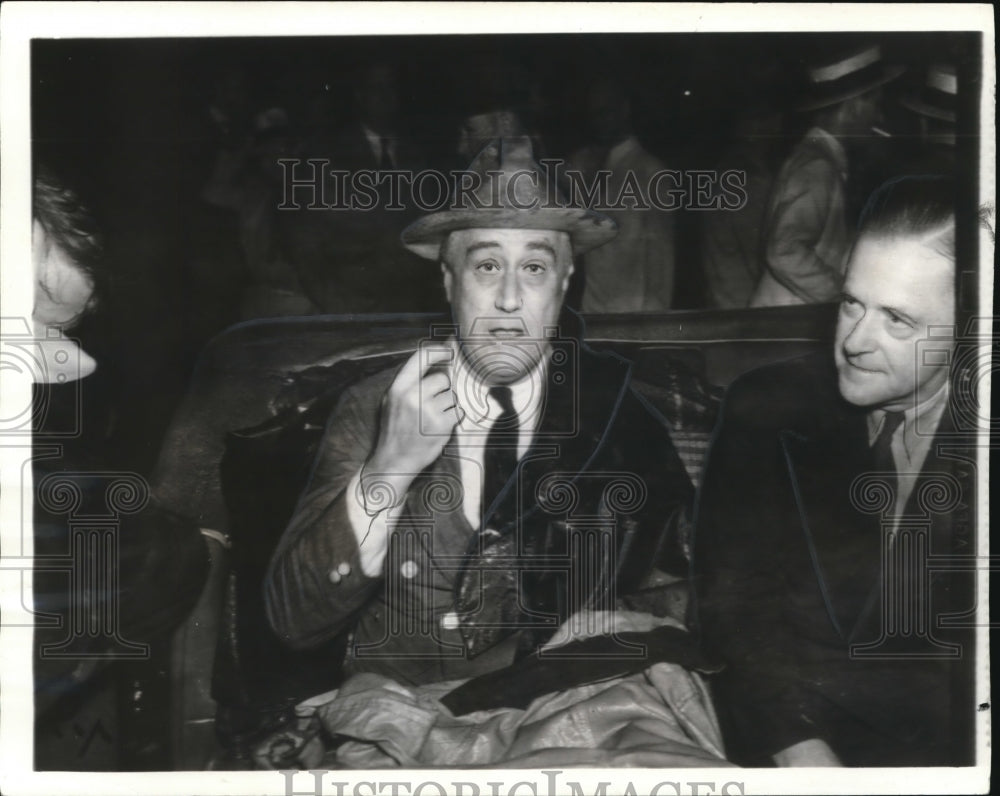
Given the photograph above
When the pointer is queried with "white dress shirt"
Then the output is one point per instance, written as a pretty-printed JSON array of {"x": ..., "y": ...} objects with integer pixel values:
[{"x": 375, "y": 142}]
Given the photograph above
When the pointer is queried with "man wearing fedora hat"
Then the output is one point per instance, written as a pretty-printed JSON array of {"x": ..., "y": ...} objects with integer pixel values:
[
  {"x": 805, "y": 237},
  {"x": 464, "y": 504},
  {"x": 933, "y": 110}
]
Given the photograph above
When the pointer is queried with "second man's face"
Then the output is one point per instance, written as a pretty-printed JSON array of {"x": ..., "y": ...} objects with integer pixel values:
[
  {"x": 898, "y": 295},
  {"x": 506, "y": 288}
]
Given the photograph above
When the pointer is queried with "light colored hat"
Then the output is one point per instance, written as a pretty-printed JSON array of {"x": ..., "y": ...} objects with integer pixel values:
[
  {"x": 510, "y": 191},
  {"x": 847, "y": 74},
  {"x": 938, "y": 96}
]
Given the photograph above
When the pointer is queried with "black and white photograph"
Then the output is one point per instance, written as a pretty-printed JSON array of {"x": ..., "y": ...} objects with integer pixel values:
[{"x": 490, "y": 399}]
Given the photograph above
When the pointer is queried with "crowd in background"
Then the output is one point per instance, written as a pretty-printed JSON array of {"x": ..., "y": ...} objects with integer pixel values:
[{"x": 176, "y": 146}]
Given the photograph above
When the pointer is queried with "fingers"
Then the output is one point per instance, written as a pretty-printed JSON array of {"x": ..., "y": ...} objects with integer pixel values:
[
  {"x": 424, "y": 382},
  {"x": 425, "y": 361},
  {"x": 435, "y": 384},
  {"x": 435, "y": 358},
  {"x": 436, "y": 371},
  {"x": 411, "y": 371}
]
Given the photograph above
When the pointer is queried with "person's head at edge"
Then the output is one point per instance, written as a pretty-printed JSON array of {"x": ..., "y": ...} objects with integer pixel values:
[
  {"x": 67, "y": 254},
  {"x": 899, "y": 292}
]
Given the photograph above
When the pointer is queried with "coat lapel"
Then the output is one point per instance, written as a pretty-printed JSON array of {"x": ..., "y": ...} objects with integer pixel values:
[
  {"x": 490, "y": 589},
  {"x": 843, "y": 542}
]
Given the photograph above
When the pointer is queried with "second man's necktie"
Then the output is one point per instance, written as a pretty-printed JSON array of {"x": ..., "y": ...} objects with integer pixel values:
[{"x": 882, "y": 458}]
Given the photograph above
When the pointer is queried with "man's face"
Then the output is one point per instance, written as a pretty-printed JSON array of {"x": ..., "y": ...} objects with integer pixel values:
[
  {"x": 896, "y": 290},
  {"x": 475, "y": 133},
  {"x": 866, "y": 112},
  {"x": 62, "y": 289},
  {"x": 480, "y": 129},
  {"x": 506, "y": 287},
  {"x": 378, "y": 98},
  {"x": 609, "y": 113}
]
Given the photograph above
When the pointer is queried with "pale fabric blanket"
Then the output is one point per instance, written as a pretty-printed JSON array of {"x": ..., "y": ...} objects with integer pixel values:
[{"x": 661, "y": 717}]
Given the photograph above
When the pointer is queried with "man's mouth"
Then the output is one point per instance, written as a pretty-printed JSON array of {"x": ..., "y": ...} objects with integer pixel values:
[
  {"x": 506, "y": 332},
  {"x": 860, "y": 368}
]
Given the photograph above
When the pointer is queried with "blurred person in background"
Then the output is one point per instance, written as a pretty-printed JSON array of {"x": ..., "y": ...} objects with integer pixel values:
[
  {"x": 348, "y": 259},
  {"x": 933, "y": 113},
  {"x": 806, "y": 234},
  {"x": 251, "y": 184},
  {"x": 635, "y": 272},
  {"x": 731, "y": 238}
]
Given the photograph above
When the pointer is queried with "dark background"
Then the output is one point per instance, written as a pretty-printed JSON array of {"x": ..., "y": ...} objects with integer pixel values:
[{"x": 126, "y": 122}]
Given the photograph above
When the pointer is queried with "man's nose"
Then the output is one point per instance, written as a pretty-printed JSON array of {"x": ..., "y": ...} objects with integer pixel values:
[
  {"x": 508, "y": 297},
  {"x": 859, "y": 339}
]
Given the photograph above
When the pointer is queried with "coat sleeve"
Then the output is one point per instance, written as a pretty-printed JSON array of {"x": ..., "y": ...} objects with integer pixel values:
[
  {"x": 307, "y": 603},
  {"x": 799, "y": 217},
  {"x": 766, "y": 695}
]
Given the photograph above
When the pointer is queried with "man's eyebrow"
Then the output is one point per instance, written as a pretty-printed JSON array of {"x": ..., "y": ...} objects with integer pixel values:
[
  {"x": 541, "y": 245},
  {"x": 483, "y": 244}
]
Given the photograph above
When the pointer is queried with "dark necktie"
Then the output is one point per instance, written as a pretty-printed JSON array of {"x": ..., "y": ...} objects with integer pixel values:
[
  {"x": 885, "y": 466},
  {"x": 500, "y": 456},
  {"x": 487, "y": 596},
  {"x": 385, "y": 161}
]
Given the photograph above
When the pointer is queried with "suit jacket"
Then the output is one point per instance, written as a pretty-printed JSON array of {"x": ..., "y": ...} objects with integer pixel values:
[
  {"x": 600, "y": 461},
  {"x": 792, "y": 592}
]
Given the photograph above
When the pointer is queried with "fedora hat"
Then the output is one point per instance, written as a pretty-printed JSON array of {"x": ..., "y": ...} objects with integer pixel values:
[
  {"x": 844, "y": 74},
  {"x": 937, "y": 98},
  {"x": 504, "y": 188}
]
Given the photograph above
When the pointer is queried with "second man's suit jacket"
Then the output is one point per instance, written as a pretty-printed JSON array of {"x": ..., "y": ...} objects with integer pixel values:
[{"x": 822, "y": 636}]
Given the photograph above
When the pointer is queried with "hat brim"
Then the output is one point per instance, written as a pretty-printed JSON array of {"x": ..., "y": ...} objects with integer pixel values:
[
  {"x": 889, "y": 74},
  {"x": 587, "y": 229},
  {"x": 924, "y": 109}
]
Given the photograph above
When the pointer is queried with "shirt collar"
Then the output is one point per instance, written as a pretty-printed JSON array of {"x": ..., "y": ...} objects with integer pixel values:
[
  {"x": 919, "y": 420},
  {"x": 375, "y": 140},
  {"x": 480, "y": 410}
]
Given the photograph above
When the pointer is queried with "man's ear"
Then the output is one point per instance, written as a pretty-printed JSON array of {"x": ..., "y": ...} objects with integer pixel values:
[
  {"x": 447, "y": 276},
  {"x": 570, "y": 269}
]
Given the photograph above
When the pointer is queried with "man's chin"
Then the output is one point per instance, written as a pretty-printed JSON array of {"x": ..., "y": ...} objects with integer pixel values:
[
  {"x": 501, "y": 362},
  {"x": 855, "y": 391}
]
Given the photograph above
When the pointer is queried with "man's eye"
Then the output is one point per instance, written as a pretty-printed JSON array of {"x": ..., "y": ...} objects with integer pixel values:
[
  {"x": 534, "y": 268},
  {"x": 849, "y": 305},
  {"x": 488, "y": 266},
  {"x": 898, "y": 320}
]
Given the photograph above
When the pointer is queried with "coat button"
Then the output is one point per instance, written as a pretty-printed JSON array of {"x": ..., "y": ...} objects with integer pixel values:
[
  {"x": 409, "y": 569},
  {"x": 344, "y": 569},
  {"x": 335, "y": 577}
]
